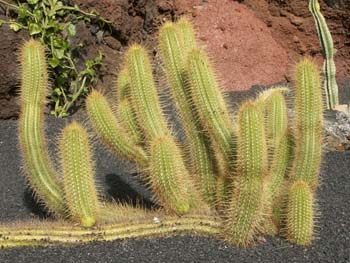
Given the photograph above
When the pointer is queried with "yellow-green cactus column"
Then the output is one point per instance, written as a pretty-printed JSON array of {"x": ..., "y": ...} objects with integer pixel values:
[
  {"x": 78, "y": 175},
  {"x": 245, "y": 212},
  {"x": 40, "y": 171}
]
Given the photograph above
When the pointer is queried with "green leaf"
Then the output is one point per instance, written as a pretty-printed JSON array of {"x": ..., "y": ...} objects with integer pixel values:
[
  {"x": 71, "y": 29},
  {"x": 34, "y": 29},
  {"x": 58, "y": 52},
  {"x": 54, "y": 62},
  {"x": 22, "y": 12},
  {"x": 15, "y": 27},
  {"x": 1, "y": 22},
  {"x": 32, "y": 2}
]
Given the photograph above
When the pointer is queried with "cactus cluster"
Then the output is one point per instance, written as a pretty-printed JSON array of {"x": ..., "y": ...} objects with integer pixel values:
[{"x": 232, "y": 177}]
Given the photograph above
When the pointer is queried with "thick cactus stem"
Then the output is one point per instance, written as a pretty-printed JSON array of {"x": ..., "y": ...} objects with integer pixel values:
[
  {"x": 78, "y": 175},
  {"x": 307, "y": 123},
  {"x": 326, "y": 41},
  {"x": 108, "y": 128},
  {"x": 245, "y": 210},
  {"x": 168, "y": 176},
  {"x": 210, "y": 104},
  {"x": 300, "y": 214},
  {"x": 144, "y": 97},
  {"x": 186, "y": 35},
  {"x": 174, "y": 56},
  {"x": 39, "y": 168}
]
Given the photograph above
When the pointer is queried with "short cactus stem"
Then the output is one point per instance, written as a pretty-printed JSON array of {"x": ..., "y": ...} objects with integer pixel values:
[
  {"x": 168, "y": 176},
  {"x": 172, "y": 38},
  {"x": 78, "y": 175},
  {"x": 110, "y": 131},
  {"x": 307, "y": 123},
  {"x": 245, "y": 211},
  {"x": 300, "y": 213},
  {"x": 40, "y": 170}
]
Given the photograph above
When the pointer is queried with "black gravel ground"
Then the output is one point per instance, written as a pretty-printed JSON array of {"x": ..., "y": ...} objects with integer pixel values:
[{"x": 332, "y": 243}]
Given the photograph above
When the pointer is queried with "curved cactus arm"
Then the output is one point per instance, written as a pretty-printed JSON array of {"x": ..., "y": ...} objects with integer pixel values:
[
  {"x": 326, "y": 41},
  {"x": 300, "y": 213},
  {"x": 172, "y": 41},
  {"x": 244, "y": 216},
  {"x": 308, "y": 121},
  {"x": 110, "y": 131},
  {"x": 78, "y": 175},
  {"x": 40, "y": 171}
]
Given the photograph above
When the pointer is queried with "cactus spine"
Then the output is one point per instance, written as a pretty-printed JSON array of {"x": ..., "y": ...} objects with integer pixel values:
[
  {"x": 173, "y": 40},
  {"x": 245, "y": 210},
  {"x": 40, "y": 170},
  {"x": 326, "y": 41}
]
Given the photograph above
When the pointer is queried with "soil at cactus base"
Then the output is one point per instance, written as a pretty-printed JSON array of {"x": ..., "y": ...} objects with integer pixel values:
[{"x": 119, "y": 180}]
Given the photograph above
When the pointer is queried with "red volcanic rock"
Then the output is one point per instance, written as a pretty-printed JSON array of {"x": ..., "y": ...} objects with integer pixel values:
[{"x": 240, "y": 45}]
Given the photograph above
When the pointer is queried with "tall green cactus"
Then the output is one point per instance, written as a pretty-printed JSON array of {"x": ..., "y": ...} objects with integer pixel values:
[
  {"x": 78, "y": 175},
  {"x": 39, "y": 168},
  {"x": 326, "y": 41},
  {"x": 246, "y": 206}
]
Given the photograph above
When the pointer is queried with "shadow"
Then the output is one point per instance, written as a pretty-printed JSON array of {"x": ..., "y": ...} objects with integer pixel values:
[
  {"x": 120, "y": 191},
  {"x": 33, "y": 204}
]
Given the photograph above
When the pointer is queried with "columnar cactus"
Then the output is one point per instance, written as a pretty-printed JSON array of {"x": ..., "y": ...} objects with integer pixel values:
[
  {"x": 40, "y": 170},
  {"x": 328, "y": 51},
  {"x": 224, "y": 179}
]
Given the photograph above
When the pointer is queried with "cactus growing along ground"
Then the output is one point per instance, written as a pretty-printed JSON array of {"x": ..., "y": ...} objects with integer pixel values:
[{"x": 218, "y": 182}]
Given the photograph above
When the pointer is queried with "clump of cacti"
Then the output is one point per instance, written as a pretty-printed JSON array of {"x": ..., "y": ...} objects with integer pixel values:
[{"x": 233, "y": 177}]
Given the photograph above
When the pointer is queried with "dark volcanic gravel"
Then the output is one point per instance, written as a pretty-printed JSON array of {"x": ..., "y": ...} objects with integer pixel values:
[{"x": 332, "y": 244}]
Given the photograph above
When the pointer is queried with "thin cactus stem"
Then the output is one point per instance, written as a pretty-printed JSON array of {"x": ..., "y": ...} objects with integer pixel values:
[
  {"x": 174, "y": 54},
  {"x": 39, "y": 168},
  {"x": 110, "y": 131},
  {"x": 326, "y": 41},
  {"x": 78, "y": 175},
  {"x": 245, "y": 209},
  {"x": 44, "y": 234}
]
